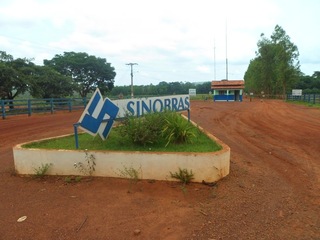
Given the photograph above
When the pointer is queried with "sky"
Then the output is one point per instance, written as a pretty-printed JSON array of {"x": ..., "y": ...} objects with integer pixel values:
[{"x": 170, "y": 40}]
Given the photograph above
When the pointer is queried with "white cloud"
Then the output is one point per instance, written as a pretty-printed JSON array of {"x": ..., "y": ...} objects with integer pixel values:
[
  {"x": 172, "y": 39},
  {"x": 203, "y": 69}
]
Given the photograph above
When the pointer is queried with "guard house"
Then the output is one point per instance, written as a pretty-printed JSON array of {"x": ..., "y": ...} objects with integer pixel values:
[{"x": 227, "y": 90}]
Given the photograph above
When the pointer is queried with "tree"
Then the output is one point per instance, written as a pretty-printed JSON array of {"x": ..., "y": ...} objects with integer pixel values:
[
  {"x": 203, "y": 88},
  {"x": 121, "y": 91},
  {"x": 276, "y": 66},
  {"x": 286, "y": 59},
  {"x": 15, "y": 75},
  {"x": 175, "y": 88},
  {"x": 316, "y": 75},
  {"x": 309, "y": 84},
  {"x": 316, "y": 80},
  {"x": 88, "y": 72},
  {"x": 162, "y": 88},
  {"x": 266, "y": 63},
  {"x": 48, "y": 83},
  {"x": 252, "y": 76}
]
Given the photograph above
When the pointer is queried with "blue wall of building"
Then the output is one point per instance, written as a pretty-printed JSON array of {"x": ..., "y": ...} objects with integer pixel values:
[{"x": 226, "y": 98}]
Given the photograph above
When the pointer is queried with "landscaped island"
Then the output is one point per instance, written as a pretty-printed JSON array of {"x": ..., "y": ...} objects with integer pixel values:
[{"x": 153, "y": 145}]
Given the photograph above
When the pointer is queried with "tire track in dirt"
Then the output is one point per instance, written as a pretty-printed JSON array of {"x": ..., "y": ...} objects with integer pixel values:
[
  {"x": 277, "y": 141},
  {"x": 295, "y": 143},
  {"x": 21, "y": 128},
  {"x": 265, "y": 196}
]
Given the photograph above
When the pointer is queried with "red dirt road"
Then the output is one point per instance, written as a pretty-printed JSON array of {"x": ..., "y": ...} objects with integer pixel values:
[{"x": 272, "y": 191}]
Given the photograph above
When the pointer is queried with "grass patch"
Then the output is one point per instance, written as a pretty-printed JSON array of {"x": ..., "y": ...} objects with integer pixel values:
[
  {"x": 202, "y": 97},
  {"x": 41, "y": 171},
  {"x": 183, "y": 175},
  {"x": 117, "y": 142},
  {"x": 307, "y": 104}
]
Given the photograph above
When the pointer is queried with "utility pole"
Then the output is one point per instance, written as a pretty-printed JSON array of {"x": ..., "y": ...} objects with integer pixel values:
[
  {"x": 214, "y": 56},
  {"x": 131, "y": 64},
  {"x": 226, "y": 50}
]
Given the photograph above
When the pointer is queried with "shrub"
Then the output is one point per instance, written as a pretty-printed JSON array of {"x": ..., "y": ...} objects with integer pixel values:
[
  {"x": 165, "y": 127},
  {"x": 88, "y": 167},
  {"x": 183, "y": 175},
  {"x": 41, "y": 171},
  {"x": 143, "y": 130},
  {"x": 177, "y": 129},
  {"x": 132, "y": 174}
]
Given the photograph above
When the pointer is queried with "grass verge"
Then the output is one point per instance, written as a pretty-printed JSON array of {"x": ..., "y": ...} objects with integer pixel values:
[
  {"x": 317, "y": 105},
  {"x": 116, "y": 142}
]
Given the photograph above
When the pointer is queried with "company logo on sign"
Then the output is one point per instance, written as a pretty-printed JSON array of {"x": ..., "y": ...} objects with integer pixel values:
[{"x": 99, "y": 115}]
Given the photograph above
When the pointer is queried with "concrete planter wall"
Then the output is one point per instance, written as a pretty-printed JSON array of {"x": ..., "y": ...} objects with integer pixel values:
[{"x": 209, "y": 167}]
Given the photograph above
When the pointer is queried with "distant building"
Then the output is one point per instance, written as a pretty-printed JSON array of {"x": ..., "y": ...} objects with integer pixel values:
[{"x": 227, "y": 90}]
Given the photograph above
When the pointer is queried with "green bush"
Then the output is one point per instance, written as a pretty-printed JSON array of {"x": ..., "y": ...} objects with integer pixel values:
[
  {"x": 153, "y": 128},
  {"x": 144, "y": 130},
  {"x": 177, "y": 130}
]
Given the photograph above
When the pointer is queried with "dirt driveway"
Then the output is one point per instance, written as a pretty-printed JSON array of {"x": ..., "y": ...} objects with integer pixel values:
[{"x": 272, "y": 192}]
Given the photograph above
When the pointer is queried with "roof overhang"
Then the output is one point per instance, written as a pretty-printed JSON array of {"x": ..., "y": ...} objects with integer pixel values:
[{"x": 227, "y": 84}]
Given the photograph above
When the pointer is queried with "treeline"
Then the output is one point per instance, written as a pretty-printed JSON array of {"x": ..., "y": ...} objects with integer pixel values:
[
  {"x": 309, "y": 84},
  {"x": 75, "y": 74},
  {"x": 163, "y": 88},
  {"x": 276, "y": 69},
  {"x": 61, "y": 76}
]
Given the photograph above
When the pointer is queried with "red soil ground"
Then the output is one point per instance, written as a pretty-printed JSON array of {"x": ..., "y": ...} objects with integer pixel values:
[{"x": 272, "y": 191}]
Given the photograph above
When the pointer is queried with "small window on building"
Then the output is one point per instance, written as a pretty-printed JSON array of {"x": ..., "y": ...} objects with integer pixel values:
[{"x": 222, "y": 92}]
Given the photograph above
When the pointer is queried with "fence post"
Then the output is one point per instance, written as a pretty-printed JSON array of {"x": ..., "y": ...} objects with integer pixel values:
[
  {"x": 51, "y": 105},
  {"x": 3, "y": 110},
  {"x": 70, "y": 104},
  {"x": 314, "y": 98},
  {"x": 75, "y": 128},
  {"x": 84, "y": 100},
  {"x": 29, "y": 107}
]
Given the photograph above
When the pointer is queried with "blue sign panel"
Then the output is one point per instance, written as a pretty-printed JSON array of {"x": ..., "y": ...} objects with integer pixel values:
[
  {"x": 140, "y": 106},
  {"x": 99, "y": 115}
]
